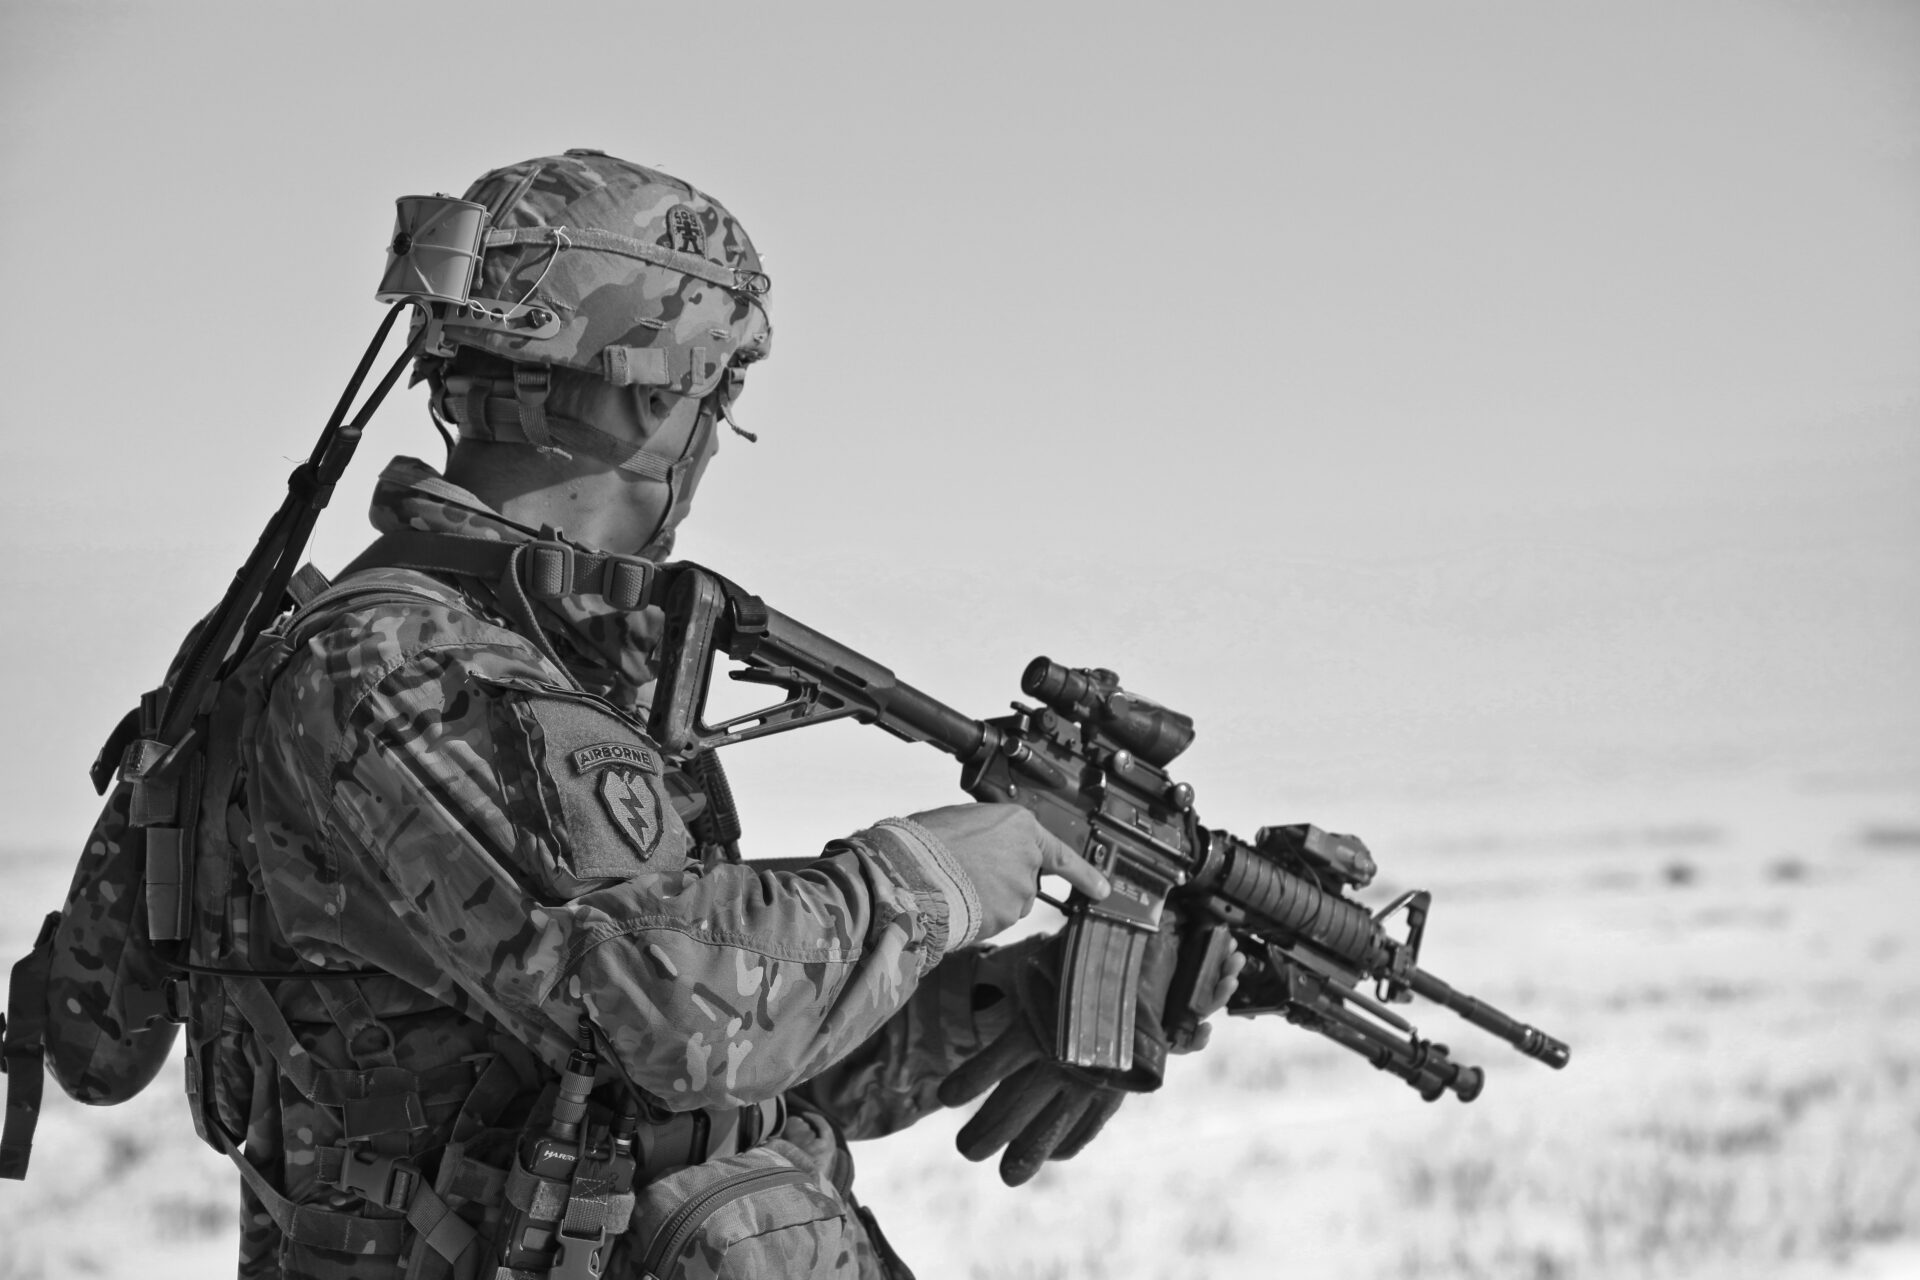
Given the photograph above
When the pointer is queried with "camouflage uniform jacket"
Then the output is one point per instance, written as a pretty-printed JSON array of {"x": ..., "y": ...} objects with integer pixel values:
[{"x": 427, "y": 795}]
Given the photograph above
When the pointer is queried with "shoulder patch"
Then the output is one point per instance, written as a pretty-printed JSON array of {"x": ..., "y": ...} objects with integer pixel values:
[
  {"x": 602, "y": 754},
  {"x": 615, "y": 817},
  {"x": 633, "y": 802}
]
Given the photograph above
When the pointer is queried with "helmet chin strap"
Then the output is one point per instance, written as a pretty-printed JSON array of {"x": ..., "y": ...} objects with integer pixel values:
[
  {"x": 516, "y": 410},
  {"x": 679, "y": 503},
  {"x": 730, "y": 384}
]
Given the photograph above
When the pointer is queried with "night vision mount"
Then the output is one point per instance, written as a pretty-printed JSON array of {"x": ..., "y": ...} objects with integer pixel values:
[{"x": 433, "y": 261}]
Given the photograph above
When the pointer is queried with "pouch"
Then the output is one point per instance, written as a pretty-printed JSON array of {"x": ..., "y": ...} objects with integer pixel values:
[
  {"x": 106, "y": 1033},
  {"x": 764, "y": 1214}
]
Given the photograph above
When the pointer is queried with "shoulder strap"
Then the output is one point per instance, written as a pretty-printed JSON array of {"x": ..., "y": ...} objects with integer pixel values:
[
  {"x": 520, "y": 573},
  {"x": 306, "y": 583}
]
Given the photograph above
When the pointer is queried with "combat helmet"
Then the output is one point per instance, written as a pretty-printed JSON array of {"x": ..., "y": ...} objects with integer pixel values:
[{"x": 596, "y": 264}]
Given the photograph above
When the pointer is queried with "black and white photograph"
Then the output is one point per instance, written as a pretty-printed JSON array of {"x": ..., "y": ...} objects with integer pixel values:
[{"x": 1040, "y": 641}]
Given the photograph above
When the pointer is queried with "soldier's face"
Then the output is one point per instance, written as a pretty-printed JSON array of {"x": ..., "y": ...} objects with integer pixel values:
[
  {"x": 691, "y": 433},
  {"x": 633, "y": 513}
]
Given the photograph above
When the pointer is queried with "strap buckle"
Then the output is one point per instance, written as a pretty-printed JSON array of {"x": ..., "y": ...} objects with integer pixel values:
[
  {"x": 171, "y": 1001},
  {"x": 388, "y": 1181},
  {"x": 546, "y": 569},
  {"x": 583, "y": 1255},
  {"x": 624, "y": 581},
  {"x": 550, "y": 569},
  {"x": 530, "y": 388}
]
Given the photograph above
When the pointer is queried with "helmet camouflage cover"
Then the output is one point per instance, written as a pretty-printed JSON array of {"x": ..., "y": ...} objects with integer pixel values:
[{"x": 653, "y": 282}]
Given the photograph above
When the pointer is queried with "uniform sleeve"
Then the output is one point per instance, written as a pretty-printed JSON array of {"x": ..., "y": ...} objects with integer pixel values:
[
  {"x": 520, "y": 836},
  {"x": 890, "y": 1081}
]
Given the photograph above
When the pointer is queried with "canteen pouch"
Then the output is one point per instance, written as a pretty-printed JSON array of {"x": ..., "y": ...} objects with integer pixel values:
[
  {"x": 113, "y": 1005},
  {"x": 109, "y": 1003}
]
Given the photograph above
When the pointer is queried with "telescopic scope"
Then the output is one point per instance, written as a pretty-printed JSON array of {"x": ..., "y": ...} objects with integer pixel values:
[{"x": 1155, "y": 734}]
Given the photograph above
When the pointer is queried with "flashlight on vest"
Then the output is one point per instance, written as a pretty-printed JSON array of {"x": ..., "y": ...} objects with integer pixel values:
[
  {"x": 576, "y": 1082},
  {"x": 542, "y": 1178}
]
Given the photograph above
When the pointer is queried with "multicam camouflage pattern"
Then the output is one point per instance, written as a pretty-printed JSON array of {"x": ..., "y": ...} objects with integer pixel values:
[
  {"x": 101, "y": 1051},
  {"x": 106, "y": 1037},
  {"x": 606, "y": 649},
  {"x": 425, "y": 794},
  {"x": 676, "y": 323},
  {"x": 799, "y": 1229}
]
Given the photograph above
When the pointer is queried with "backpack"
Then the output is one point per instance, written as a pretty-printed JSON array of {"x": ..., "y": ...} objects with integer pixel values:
[
  {"x": 100, "y": 995},
  {"x": 100, "y": 998}
]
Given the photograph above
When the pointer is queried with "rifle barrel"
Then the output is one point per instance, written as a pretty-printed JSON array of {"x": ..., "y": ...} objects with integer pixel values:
[{"x": 1531, "y": 1041}]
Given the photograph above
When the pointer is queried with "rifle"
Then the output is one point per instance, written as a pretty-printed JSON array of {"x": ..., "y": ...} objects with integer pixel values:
[{"x": 1090, "y": 763}]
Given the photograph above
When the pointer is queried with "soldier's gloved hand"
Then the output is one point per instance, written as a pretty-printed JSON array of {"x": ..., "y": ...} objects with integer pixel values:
[
  {"x": 1004, "y": 851},
  {"x": 1043, "y": 1109}
]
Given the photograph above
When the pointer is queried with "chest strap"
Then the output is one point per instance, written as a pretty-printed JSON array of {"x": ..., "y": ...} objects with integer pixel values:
[
  {"x": 370, "y": 1102},
  {"x": 418, "y": 1209}
]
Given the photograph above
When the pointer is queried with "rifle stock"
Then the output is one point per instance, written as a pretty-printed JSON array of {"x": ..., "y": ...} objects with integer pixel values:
[{"x": 1090, "y": 764}]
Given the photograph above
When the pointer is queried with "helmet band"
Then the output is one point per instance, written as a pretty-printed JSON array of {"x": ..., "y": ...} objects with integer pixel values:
[{"x": 753, "y": 284}]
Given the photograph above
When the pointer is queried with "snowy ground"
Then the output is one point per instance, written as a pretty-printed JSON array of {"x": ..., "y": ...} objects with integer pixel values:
[{"x": 1735, "y": 966}]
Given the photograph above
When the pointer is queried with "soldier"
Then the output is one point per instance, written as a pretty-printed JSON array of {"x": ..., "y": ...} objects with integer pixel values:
[{"x": 508, "y": 1000}]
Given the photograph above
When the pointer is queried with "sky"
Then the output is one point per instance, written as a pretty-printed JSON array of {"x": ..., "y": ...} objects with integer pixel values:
[{"x": 1438, "y": 402}]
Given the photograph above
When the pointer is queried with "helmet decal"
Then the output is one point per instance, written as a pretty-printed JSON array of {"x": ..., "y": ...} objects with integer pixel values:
[{"x": 687, "y": 234}]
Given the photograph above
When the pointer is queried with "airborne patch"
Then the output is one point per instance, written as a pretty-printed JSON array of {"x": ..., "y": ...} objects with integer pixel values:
[
  {"x": 633, "y": 803},
  {"x": 684, "y": 229},
  {"x": 600, "y": 755}
]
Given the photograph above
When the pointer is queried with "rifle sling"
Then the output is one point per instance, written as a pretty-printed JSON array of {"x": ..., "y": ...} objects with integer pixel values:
[{"x": 546, "y": 569}]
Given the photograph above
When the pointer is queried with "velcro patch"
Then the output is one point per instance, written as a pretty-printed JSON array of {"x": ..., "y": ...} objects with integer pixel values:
[{"x": 631, "y": 754}]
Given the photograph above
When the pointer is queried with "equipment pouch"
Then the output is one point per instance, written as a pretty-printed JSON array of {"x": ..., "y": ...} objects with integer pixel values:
[
  {"x": 112, "y": 1004},
  {"x": 759, "y": 1215}
]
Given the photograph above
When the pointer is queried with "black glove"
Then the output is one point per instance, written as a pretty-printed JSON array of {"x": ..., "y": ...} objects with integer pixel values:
[{"x": 1043, "y": 1109}]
